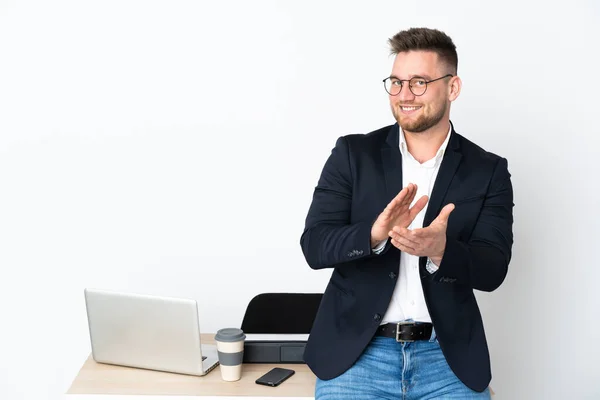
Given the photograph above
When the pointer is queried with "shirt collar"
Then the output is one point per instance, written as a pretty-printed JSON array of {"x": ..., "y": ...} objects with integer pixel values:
[{"x": 438, "y": 156}]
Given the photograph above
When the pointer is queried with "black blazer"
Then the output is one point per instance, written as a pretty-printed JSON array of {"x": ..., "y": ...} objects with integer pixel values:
[{"x": 361, "y": 176}]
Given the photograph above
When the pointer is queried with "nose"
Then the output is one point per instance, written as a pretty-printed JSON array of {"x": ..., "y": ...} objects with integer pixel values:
[{"x": 405, "y": 93}]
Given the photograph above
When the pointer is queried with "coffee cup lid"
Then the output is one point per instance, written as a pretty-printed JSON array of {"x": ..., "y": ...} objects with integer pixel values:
[{"x": 230, "y": 335}]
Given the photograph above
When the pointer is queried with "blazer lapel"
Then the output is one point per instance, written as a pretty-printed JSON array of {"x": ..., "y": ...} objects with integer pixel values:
[
  {"x": 392, "y": 163},
  {"x": 448, "y": 167}
]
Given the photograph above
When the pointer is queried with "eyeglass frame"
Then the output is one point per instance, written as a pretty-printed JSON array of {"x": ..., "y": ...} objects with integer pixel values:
[{"x": 410, "y": 87}]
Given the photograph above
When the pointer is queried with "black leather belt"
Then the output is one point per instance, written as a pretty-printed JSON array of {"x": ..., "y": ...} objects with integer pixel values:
[{"x": 406, "y": 331}]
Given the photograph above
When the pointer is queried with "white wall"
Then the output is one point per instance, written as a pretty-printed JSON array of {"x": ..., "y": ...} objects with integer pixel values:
[{"x": 169, "y": 147}]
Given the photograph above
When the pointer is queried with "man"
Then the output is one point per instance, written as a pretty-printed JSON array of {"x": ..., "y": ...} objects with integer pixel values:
[{"x": 398, "y": 318}]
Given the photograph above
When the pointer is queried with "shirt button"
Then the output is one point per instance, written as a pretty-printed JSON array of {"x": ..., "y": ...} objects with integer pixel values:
[
  {"x": 392, "y": 275},
  {"x": 412, "y": 302},
  {"x": 377, "y": 317}
]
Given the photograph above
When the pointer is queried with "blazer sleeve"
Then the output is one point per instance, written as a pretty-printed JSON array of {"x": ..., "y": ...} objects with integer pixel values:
[
  {"x": 329, "y": 238},
  {"x": 482, "y": 263}
]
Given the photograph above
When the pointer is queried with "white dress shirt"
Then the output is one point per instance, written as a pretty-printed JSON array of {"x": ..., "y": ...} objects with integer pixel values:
[{"x": 408, "y": 301}]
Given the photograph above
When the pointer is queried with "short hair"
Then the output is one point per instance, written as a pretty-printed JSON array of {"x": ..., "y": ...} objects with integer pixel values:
[{"x": 426, "y": 39}]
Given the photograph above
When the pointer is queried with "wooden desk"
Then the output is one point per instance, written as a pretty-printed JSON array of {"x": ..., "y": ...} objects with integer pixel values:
[{"x": 95, "y": 378}]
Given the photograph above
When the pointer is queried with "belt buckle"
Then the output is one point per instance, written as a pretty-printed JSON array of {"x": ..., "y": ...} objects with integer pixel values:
[{"x": 398, "y": 324}]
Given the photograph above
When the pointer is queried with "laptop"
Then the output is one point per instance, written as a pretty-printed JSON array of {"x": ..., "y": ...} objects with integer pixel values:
[{"x": 150, "y": 332}]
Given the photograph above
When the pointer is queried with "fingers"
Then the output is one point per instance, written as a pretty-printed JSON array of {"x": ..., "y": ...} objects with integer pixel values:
[
  {"x": 444, "y": 214},
  {"x": 417, "y": 242},
  {"x": 422, "y": 241},
  {"x": 403, "y": 248},
  {"x": 411, "y": 193},
  {"x": 419, "y": 205},
  {"x": 399, "y": 199},
  {"x": 403, "y": 199},
  {"x": 406, "y": 195},
  {"x": 403, "y": 239},
  {"x": 404, "y": 236}
]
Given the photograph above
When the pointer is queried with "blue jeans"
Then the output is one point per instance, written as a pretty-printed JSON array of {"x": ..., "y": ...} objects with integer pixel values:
[{"x": 391, "y": 370}]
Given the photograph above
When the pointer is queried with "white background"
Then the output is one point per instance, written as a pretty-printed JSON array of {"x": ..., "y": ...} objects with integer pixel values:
[{"x": 172, "y": 148}]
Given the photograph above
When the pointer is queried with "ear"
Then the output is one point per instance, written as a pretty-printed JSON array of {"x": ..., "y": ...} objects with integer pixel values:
[{"x": 454, "y": 87}]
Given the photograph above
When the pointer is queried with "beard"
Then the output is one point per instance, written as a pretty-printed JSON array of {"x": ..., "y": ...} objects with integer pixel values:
[{"x": 420, "y": 124}]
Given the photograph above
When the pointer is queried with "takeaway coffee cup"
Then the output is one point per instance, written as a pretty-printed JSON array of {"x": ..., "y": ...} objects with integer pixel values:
[{"x": 230, "y": 346}]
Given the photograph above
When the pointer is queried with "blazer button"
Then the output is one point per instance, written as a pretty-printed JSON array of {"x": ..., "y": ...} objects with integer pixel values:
[
  {"x": 377, "y": 317},
  {"x": 393, "y": 275}
]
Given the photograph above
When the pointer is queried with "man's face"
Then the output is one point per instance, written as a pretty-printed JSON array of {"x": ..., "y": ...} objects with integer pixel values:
[{"x": 419, "y": 113}]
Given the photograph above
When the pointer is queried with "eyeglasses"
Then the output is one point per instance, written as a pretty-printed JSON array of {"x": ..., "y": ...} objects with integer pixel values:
[{"x": 417, "y": 85}]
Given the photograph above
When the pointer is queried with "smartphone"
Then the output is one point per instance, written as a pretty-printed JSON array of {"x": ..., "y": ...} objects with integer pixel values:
[{"x": 275, "y": 376}]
